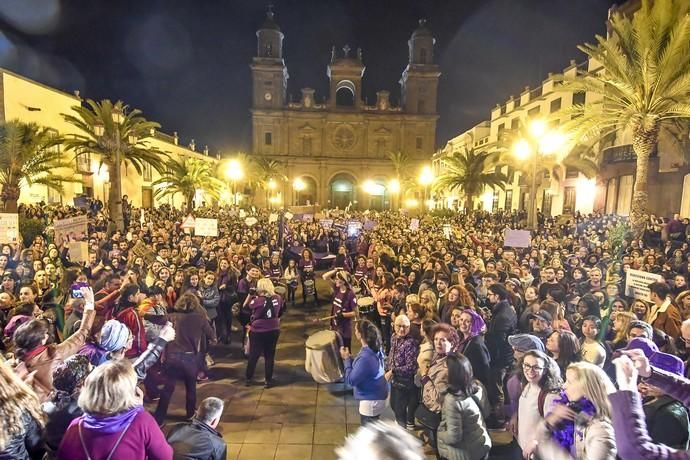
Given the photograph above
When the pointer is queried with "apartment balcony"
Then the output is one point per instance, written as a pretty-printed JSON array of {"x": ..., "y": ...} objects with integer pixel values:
[{"x": 621, "y": 154}]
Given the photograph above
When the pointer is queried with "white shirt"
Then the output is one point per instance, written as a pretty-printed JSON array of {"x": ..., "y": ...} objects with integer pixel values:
[
  {"x": 528, "y": 413},
  {"x": 372, "y": 408}
]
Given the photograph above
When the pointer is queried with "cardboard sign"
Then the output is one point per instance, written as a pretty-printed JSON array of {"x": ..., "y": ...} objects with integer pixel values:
[
  {"x": 517, "y": 238},
  {"x": 142, "y": 250},
  {"x": 78, "y": 251},
  {"x": 9, "y": 228},
  {"x": 288, "y": 215},
  {"x": 273, "y": 218},
  {"x": 72, "y": 229},
  {"x": 636, "y": 282},
  {"x": 446, "y": 231},
  {"x": 206, "y": 227},
  {"x": 326, "y": 223},
  {"x": 414, "y": 225},
  {"x": 249, "y": 221}
]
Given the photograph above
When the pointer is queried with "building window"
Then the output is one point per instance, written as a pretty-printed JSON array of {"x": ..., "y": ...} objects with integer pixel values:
[
  {"x": 421, "y": 106},
  {"x": 579, "y": 98},
  {"x": 555, "y": 105},
  {"x": 515, "y": 124},
  {"x": 418, "y": 143},
  {"x": 534, "y": 111},
  {"x": 494, "y": 203},
  {"x": 306, "y": 145},
  {"x": 517, "y": 103},
  {"x": 509, "y": 200},
  {"x": 501, "y": 129},
  {"x": 147, "y": 172},
  {"x": 84, "y": 162},
  {"x": 510, "y": 173},
  {"x": 268, "y": 138}
]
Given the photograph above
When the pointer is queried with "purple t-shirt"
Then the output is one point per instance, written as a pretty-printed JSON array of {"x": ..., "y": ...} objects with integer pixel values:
[
  {"x": 270, "y": 319},
  {"x": 343, "y": 302}
]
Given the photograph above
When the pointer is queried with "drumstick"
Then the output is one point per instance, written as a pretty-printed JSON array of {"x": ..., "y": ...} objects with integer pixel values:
[{"x": 325, "y": 318}]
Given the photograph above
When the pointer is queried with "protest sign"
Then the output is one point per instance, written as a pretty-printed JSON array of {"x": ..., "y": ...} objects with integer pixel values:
[
  {"x": 517, "y": 238},
  {"x": 414, "y": 225},
  {"x": 249, "y": 221},
  {"x": 71, "y": 229},
  {"x": 370, "y": 225},
  {"x": 307, "y": 217},
  {"x": 636, "y": 282},
  {"x": 273, "y": 218},
  {"x": 140, "y": 249},
  {"x": 9, "y": 228},
  {"x": 446, "y": 231},
  {"x": 206, "y": 227},
  {"x": 78, "y": 251},
  {"x": 188, "y": 222},
  {"x": 326, "y": 223}
]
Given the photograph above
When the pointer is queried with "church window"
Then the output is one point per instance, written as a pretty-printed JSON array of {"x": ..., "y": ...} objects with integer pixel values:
[
  {"x": 268, "y": 138},
  {"x": 306, "y": 145},
  {"x": 421, "y": 106},
  {"x": 418, "y": 142}
]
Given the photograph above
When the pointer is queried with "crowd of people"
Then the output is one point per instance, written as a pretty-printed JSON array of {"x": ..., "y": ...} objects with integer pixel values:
[{"x": 457, "y": 332}]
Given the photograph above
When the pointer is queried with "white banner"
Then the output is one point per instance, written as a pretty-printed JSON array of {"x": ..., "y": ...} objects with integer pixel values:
[
  {"x": 206, "y": 227},
  {"x": 72, "y": 229},
  {"x": 636, "y": 282},
  {"x": 517, "y": 238}
]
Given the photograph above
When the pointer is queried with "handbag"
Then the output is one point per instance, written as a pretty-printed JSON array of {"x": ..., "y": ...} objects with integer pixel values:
[
  {"x": 427, "y": 418},
  {"x": 247, "y": 346}
]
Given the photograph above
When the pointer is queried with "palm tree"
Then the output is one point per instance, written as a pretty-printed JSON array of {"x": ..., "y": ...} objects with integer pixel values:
[
  {"x": 186, "y": 177},
  {"x": 267, "y": 170},
  {"x": 29, "y": 155},
  {"x": 643, "y": 85},
  {"x": 470, "y": 172},
  {"x": 402, "y": 170},
  {"x": 129, "y": 138}
]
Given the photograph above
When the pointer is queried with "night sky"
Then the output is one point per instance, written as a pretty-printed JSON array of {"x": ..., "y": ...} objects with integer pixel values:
[{"x": 186, "y": 63}]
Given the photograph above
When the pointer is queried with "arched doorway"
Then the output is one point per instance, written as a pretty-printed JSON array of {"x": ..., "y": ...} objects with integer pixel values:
[
  {"x": 345, "y": 94},
  {"x": 342, "y": 191},
  {"x": 307, "y": 192},
  {"x": 376, "y": 194}
]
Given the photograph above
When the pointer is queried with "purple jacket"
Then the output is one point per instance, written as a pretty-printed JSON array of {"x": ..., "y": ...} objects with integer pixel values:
[
  {"x": 270, "y": 320},
  {"x": 629, "y": 424},
  {"x": 403, "y": 356}
]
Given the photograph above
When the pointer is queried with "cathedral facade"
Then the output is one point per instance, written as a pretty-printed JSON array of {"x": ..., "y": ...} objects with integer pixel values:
[{"x": 336, "y": 148}]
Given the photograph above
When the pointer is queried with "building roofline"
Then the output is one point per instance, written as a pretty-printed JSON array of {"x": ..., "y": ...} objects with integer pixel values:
[{"x": 42, "y": 85}]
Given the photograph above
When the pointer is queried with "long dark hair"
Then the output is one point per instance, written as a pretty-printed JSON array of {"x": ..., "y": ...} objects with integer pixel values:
[
  {"x": 551, "y": 378},
  {"x": 460, "y": 377},
  {"x": 569, "y": 349},
  {"x": 370, "y": 334}
]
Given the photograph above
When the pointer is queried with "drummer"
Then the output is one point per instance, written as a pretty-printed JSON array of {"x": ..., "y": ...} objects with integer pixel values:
[
  {"x": 343, "y": 307},
  {"x": 274, "y": 268},
  {"x": 245, "y": 287}
]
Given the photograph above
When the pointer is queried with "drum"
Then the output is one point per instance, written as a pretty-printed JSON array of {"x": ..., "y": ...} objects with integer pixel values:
[
  {"x": 365, "y": 306},
  {"x": 357, "y": 290},
  {"x": 323, "y": 360},
  {"x": 309, "y": 287},
  {"x": 281, "y": 290}
]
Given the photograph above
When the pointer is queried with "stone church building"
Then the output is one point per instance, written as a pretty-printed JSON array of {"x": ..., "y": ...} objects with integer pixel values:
[{"x": 332, "y": 146}]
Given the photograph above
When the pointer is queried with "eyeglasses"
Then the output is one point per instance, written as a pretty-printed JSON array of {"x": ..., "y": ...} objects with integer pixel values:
[{"x": 528, "y": 368}]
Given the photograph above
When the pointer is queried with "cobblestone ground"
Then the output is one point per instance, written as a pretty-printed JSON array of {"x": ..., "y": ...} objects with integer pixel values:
[{"x": 297, "y": 419}]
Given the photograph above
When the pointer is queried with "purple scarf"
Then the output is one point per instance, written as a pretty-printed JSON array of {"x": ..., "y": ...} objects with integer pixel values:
[
  {"x": 564, "y": 434},
  {"x": 111, "y": 423}
]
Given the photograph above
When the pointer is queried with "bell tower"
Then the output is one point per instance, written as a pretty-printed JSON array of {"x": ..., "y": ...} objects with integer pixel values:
[
  {"x": 345, "y": 74},
  {"x": 419, "y": 81},
  {"x": 269, "y": 73}
]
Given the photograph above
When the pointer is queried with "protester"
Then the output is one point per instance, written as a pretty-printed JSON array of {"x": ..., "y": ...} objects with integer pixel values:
[
  {"x": 198, "y": 438},
  {"x": 401, "y": 368},
  {"x": 267, "y": 308}
]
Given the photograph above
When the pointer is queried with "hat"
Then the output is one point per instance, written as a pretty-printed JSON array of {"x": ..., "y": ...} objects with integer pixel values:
[
  {"x": 114, "y": 335},
  {"x": 70, "y": 374},
  {"x": 542, "y": 315},
  {"x": 681, "y": 296},
  {"x": 664, "y": 361},
  {"x": 526, "y": 342},
  {"x": 513, "y": 281}
]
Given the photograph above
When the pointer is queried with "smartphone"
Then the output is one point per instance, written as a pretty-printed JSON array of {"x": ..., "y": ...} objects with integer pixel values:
[{"x": 76, "y": 289}]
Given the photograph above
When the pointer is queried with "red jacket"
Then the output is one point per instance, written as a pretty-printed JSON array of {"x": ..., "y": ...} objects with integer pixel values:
[{"x": 130, "y": 318}]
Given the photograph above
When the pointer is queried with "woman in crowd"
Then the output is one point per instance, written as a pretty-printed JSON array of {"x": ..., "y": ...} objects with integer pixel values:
[
  {"x": 532, "y": 306},
  {"x": 619, "y": 329},
  {"x": 306, "y": 266},
  {"x": 428, "y": 299},
  {"x": 435, "y": 379},
  {"x": 401, "y": 368},
  {"x": 471, "y": 327},
  {"x": 183, "y": 358},
  {"x": 365, "y": 373},
  {"x": 426, "y": 350},
  {"x": 383, "y": 296},
  {"x": 564, "y": 348},
  {"x": 592, "y": 349},
  {"x": 579, "y": 426},
  {"x": 291, "y": 278},
  {"x": 21, "y": 418},
  {"x": 127, "y": 313},
  {"x": 39, "y": 356},
  {"x": 264, "y": 329},
  {"x": 640, "y": 308},
  {"x": 114, "y": 424},
  {"x": 344, "y": 304},
  {"x": 541, "y": 383},
  {"x": 462, "y": 433}
]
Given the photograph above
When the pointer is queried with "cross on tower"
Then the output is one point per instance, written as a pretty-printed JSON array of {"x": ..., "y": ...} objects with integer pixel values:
[{"x": 346, "y": 50}]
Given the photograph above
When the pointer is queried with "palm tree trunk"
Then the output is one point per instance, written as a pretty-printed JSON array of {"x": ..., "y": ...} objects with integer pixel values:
[
  {"x": 469, "y": 207},
  {"x": 190, "y": 203},
  {"x": 117, "y": 221},
  {"x": 644, "y": 142},
  {"x": 10, "y": 197}
]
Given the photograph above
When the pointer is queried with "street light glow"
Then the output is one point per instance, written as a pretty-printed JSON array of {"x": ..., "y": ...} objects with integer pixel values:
[
  {"x": 394, "y": 186},
  {"x": 411, "y": 203},
  {"x": 537, "y": 128},
  {"x": 272, "y": 184},
  {"x": 426, "y": 177},
  {"x": 233, "y": 171},
  {"x": 521, "y": 149},
  {"x": 299, "y": 184},
  {"x": 369, "y": 186},
  {"x": 551, "y": 142}
]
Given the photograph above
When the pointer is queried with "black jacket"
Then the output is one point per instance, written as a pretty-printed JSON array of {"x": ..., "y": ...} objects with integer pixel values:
[
  {"x": 503, "y": 324},
  {"x": 478, "y": 355},
  {"x": 196, "y": 441},
  {"x": 26, "y": 446},
  {"x": 148, "y": 357},
  {"x": 667, "y": 422}
]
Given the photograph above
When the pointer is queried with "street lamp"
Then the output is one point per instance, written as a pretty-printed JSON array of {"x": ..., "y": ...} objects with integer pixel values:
[
  {"x": 540, "y": 142},
  {"x": 271, "y": 185},
  {"x": 234, "y": 173},
  {"x": 298, "y": 185},
  {"x": 394, "y": 189},
  {"x": 426, "y": 178}
]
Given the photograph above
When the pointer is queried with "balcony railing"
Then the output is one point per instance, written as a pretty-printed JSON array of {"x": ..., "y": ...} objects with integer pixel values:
[{"x": 621, "y": 154}]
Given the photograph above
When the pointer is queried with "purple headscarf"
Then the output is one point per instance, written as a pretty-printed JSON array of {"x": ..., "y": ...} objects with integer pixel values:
[{"x": 478, "y": 324}]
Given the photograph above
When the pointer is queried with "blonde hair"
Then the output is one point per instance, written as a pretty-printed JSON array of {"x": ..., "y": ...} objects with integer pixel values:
[
  {"x": 411, "y": 298},
  {"x": 429, "y": 305},
  {"x": 110, "y": 389},
  {"x": 16, "y": 398},
  {"x": 622, "y": 333},
  {"x": 265, "y": 285},
  {"x": 596, "y": 386}
]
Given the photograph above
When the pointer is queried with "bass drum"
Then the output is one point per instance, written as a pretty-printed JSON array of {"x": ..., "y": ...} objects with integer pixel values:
[
  {"x": 309, "y": 287},
  {"x": 365, "y": 306},
  {"x": 323, "y": 360}
]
